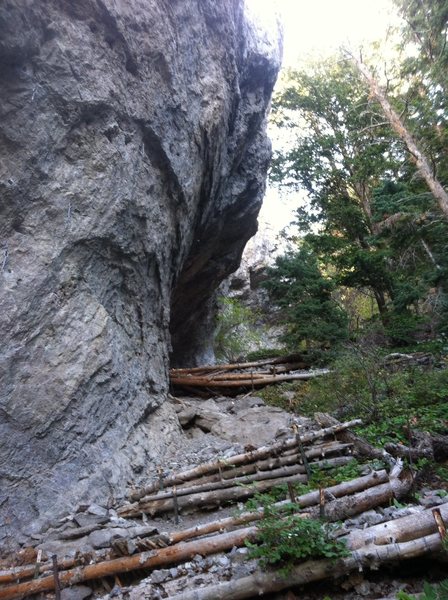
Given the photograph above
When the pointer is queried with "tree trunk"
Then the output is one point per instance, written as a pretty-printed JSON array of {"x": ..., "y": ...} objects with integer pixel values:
[
  {"x": 249, "y": 474},
  {"x": 144, "y": 560},
  {"x": 360, "y": 446},
  {"x": 234, "y": 366},
  {"x": 219, "y": 543},
  {"x": 290, "y": 457},
  {"x": 208, "y": 499},
  {"x": 399, "y": 530},
  {"x": 373, "y": 480},
  {"x": 423, "y": 445},
  {"x": 342, "y": 489},
  {"x": 422, "y": 163},
  {"x": 348, "y": 506},
  {"x": 248, "y": 381},
  {"x": 313, "y": 570}
]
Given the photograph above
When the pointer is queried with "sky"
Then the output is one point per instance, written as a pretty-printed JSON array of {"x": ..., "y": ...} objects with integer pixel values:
[
  {"x": 323, "y": 25},
  {"x": 317, "y": 27}
]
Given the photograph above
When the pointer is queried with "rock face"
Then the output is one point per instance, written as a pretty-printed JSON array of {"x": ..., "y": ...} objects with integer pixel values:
[{"x": 132, "y": 163}]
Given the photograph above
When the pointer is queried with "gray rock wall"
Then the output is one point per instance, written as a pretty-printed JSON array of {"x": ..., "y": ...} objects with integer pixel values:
[{"x": 133, "y": 156}]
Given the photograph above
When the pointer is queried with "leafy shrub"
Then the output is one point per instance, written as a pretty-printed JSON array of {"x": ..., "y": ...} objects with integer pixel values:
[
  {"x": 284, "y": 540},
  {"x": 390, "y": 404}
]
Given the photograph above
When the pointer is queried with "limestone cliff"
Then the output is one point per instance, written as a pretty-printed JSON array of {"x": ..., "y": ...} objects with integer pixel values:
[{"x": 133, "y": 156}]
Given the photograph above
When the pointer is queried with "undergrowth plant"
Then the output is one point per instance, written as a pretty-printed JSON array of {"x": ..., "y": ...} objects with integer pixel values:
[
  {"x": 430, "y": 592},
  {"x": 390, "y": 404},
  {"x": 285, "y": 538}
]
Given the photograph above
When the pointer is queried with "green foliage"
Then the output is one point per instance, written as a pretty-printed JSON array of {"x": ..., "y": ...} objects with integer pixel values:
[
  {"x": 333, "y": 476},
  {"x": 284, "y": 539},
  {"x": 370, "y": 222},
  {"x": 341, "y": 152},
  {"x": 325, "y": 476},
  {"x": 281, "y": 395},
  {"x": 356, "y": 384},
  {"x": 236, "y": 329},
  {"x": 309, "y": 312},
  {"x": 390, "y": 403},
  {"x": 266, "y": 353},
  {"x": 425, "y": 30},
  {"x": 430, "y": 592}
]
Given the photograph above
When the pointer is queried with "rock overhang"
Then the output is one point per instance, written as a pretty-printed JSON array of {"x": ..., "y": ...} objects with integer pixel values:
[{"x": 133, "y": 159}]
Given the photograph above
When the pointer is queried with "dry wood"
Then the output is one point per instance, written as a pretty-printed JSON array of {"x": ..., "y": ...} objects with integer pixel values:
[
  {"x": 365, "y": 500},
  {"x": 218, "y": 482},
  {"x": 439, "y": 522},
  {"x": 26, "y": 572},
  {"x": 263, "y": 583},
  {"x": 249, "y": 474},
  {"x": 423, "y": 445},
  {"x": 345, "y": 489},
  {"x": 177, "y": 553},
  {"x": 400, "y": 530},
  {"x": 240, "y": 459},
  {"x": 145, "y": 560},
  {"x": 192, "y": 381},
  {"x": 229, "y": 376},
  {"x": 360, "y": 447},
  {"x": 57, "y": 584},
  {"x": 342, "y": 489},
  {"x": 235, "y": 366},
  {"x": 208, "y": 499},
  {"x": 271, "y": 463}
]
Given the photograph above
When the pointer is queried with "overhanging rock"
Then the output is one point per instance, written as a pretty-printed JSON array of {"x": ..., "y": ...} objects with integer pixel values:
[{"x": 133, "y": 156}]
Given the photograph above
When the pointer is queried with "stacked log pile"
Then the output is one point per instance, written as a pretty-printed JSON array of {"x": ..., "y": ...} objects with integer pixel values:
[
  {"x": 404, "y": 538},
  {"x": 243, "y": 475},
  {"x": 408, "y": 541},
  {"x": 239, "y": 477},
  {"x": 232, "y": 378}
]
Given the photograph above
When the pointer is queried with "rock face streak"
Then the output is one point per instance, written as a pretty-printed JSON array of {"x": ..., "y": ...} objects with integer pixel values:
[{"x": 132, "y": 163}]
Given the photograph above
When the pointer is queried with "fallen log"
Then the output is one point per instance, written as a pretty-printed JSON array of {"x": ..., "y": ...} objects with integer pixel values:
[
  {"x": 305, "y": 500},
  {"x": 361, "y": 447},
  {"x": 216, "y": 486},
  {"x": 270, "y": 464},
  {"x": 144, "y": 560},
  {"x": 235, "y": 366},
  {"x": 19, "y": 573},
  {"x": 314, "y": 570},
  {"x": 208, "y": 499},
  {"x": 28, "y": 571},
  {"x": 196, "y": 382},
  {"x": 165, "y": 556},
  {"x": 309, "y": 499},
  {"x": 240, "y": 459},
  {"x": 250, "y": 474},
  {"x": 433, "y": 446},
  {"x": 228, "y": 376},
  {"x": 365, "y": 500},
  {"x": 407, "y": 528},
  {"x": 342, "y": 489}
]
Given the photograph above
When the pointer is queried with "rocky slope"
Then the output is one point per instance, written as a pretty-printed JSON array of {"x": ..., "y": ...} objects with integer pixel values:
[
  {"x": 153, "y": 550},
  {"x": 133, "y": 155}
]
